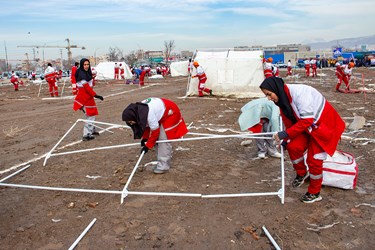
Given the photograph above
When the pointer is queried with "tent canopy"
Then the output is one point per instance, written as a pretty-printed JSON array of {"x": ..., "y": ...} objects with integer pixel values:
[
  {"x": 230, "y": 73},
  {"x": 105, "y": 70},
  {"x": 179, "y": 68}
]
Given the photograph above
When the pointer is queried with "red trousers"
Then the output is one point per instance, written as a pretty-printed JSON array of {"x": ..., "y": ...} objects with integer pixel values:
[
  {"x": 314, "y": 71},
  {"x": 202, "y": 88},
  {"x": 307, "y": 68},
  {"x": 296, "y": 148},
  {"x": 289, "y": 71},
  {"x": 53, "y": 88}
]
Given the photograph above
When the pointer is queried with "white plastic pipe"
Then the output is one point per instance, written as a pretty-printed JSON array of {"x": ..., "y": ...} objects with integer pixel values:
[
  {"x": 99, "y": 148},
  {"x": 11, "y": 175},
  {"x": 63, "y": 189},
  {"x": 271, "y": 239},
  {"x": 82, "y": 234},
  {"x": 130, "y": 177},
  {"x": 62, "y": 138},
  {"x": 62, "y": 91},
  {"x": 238, "y": 195},
  {"x": 164, "y": 194}
]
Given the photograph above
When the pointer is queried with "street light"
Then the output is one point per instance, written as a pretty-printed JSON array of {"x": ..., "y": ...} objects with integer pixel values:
[{"x": 95, "y": 55}]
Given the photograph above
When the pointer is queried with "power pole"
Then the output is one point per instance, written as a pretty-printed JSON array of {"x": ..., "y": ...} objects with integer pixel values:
[
  {"x": 6, "y": 57},
  {"x": 61, "y": 59}
]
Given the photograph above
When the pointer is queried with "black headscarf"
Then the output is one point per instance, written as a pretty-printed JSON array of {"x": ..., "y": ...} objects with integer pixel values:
[
  {"x": 81, "y": 73},
  {"x": 137, "y": 112},
  {"x": 276, "y": 85}
]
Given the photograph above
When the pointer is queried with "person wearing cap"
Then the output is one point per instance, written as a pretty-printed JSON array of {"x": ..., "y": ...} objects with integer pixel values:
[
  {"x": 202, "y": 79},
  {"x": 343, "y": 73},
  {"x": 267, "y": 67},
  {"x": 156, "y": 119},
  {"x": 313, "y": 127}
]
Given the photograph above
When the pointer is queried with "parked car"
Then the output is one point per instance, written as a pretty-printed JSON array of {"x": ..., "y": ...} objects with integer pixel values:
[
  {"x": 281, "y": 65},
  {"x": 6, "y": 75},
  {"x": 39, "y": 75}
]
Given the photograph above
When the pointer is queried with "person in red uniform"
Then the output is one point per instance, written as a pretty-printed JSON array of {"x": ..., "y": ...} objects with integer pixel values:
[
  {"x": 202, "y": 79},
  {"x": 51, "y": 75},
  {"x": 117, "y": 71},
  {"x": 343, "y": 73},
  {"x": 122, "y": 71},
  {"x": 85, "y": 98},
  {"x": 313, "y": 127},
  {"x": 73, "y": 78},
  {"x": 93, "y": 71},
  {"x": 267, "y": 67},
  {"x": 156, "y": 119},
  {"x": 307, "y": 67},
  {"x": 313, "y": 66},
  {"x": 289, "y": 68},
  {"x": 142, "y": 77},
  {"x": 15, "y": 80}
]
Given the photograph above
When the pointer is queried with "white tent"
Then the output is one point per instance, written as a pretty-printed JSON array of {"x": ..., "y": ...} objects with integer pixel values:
[
  {"x": 105, "y": 70},
  {"x": 230, "y": 73},
  {"x": 179, "y": 68}
]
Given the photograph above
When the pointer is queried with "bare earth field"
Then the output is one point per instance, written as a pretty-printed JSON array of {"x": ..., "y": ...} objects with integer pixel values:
[{"x": 44, "y": 219}]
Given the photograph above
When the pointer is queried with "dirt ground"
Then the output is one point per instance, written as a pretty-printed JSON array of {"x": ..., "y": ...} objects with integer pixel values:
[{"x": 46, "y": 219}]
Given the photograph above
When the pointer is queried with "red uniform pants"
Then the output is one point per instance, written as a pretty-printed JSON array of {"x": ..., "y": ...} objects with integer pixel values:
[
  {"x": 53, "y": 88},
  {"x": 296, "y": 148}
]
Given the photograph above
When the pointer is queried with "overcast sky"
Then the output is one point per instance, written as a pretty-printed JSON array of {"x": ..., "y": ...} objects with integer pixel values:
[{"x": 146, "y": 24}]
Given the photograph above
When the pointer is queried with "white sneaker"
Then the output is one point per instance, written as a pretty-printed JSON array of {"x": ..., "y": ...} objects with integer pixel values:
[
  {"x": 262, "y": 155},
  {"x": 276, "y": 155}
]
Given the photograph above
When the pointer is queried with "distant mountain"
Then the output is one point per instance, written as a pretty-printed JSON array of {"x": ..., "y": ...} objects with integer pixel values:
[{"x": 348, "y": 43}]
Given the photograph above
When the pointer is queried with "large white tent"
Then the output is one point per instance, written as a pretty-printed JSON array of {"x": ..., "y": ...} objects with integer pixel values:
[
  {"x": 105, "y": 70},
  {"x": 179, "y": 68},
  {"x": 230, "y": 73}
]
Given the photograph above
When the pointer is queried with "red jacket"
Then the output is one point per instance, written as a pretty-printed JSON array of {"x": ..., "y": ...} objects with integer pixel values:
[
  {"x": 172, "y": 121},
  {"x": 85, "y": 98},
  {"x": 319, "y": 119}
]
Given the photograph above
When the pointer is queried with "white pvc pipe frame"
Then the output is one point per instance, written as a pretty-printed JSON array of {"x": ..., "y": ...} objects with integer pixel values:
[{"x": 125, "y": 191}]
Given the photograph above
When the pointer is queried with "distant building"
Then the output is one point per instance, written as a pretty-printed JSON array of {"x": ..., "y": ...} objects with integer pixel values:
[{"x": 276, "y": 49}]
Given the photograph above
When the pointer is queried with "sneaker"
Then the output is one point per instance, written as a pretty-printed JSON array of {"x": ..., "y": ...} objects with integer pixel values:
[
  {"x": 211, "y": 92},
  {"x": 262, "y": 155},
  {"x": 88, "y": 138},
  {"x": 160, "y": 171},
  {"x": 310, "y": 198},
  {"x": 276, "y": 155},
  {"x": 299, "y": 180}
]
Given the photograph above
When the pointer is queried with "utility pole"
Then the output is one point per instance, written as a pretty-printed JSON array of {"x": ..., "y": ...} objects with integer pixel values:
[
  {"x": 27, "y": 62},
  {"x": 61, "y": 59},
  {"x": 6, "y": 57}
]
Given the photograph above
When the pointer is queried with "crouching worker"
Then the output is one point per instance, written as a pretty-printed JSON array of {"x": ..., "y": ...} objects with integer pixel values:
[
  {"x": 156, "y": 119},
  {"x": 85, "y": 98},
  {"x": 313, "y": 127},
  {"x": 261, "y": 116}
]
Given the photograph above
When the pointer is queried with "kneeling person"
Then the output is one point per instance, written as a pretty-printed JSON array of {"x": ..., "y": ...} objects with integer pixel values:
[{"x": 156, "y": 119}]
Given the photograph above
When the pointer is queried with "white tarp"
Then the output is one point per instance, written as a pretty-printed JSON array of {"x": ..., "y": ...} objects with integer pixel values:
[
  {"x": 179, "y": 68},
  {"x": 105, "y": 70},
  {"x": 230, "y": 73}
]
